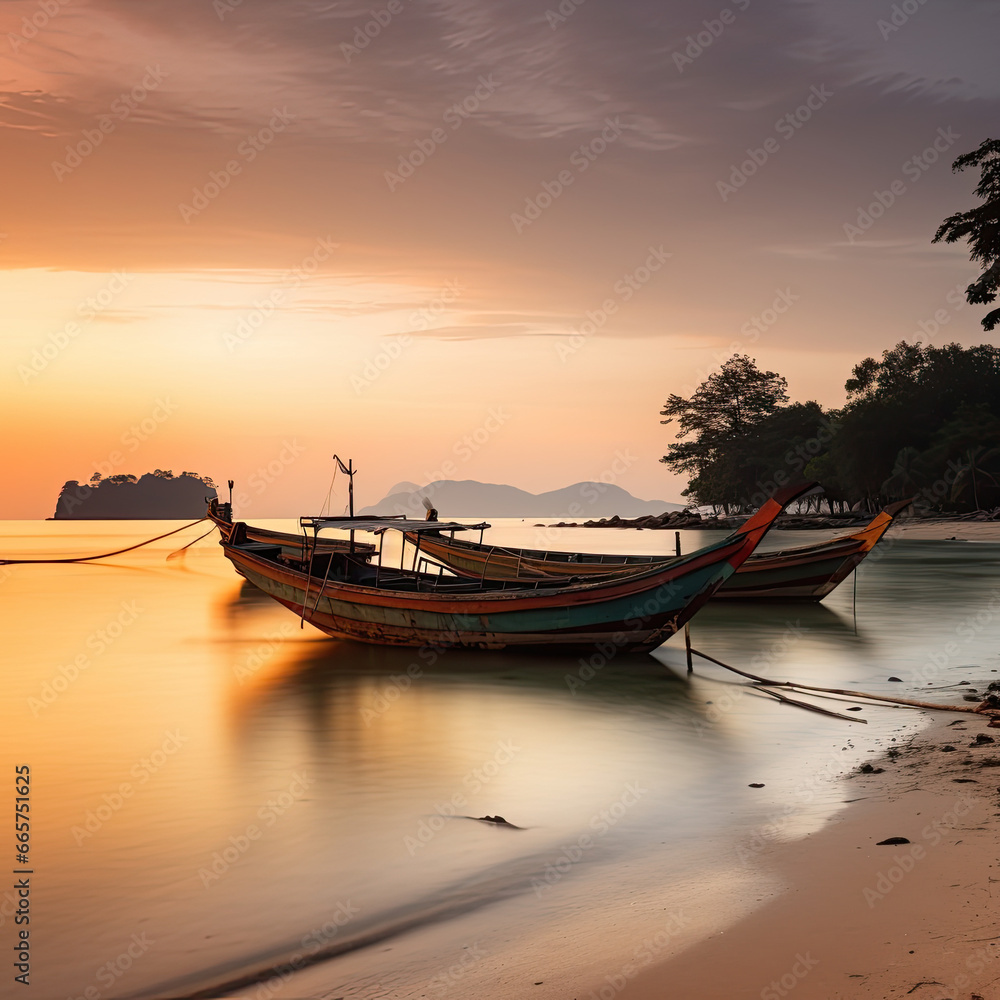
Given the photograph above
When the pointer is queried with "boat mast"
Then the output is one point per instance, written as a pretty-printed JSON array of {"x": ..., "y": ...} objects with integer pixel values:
[{"x": 348, "y": 470}]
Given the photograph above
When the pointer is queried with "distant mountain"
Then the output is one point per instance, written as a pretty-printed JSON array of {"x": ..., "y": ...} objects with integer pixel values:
[
  {"x": 471, "y": 499},
  {"x": 156, "y": 495}
]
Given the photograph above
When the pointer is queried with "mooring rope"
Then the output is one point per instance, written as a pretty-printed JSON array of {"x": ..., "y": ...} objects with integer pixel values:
[
  {"x": 178, "y": 553},
  {"x": 104, "y": 555}
]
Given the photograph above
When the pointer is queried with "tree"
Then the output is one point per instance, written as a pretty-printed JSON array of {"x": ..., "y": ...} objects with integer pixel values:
[
  {"x": 729, "y": 401},
  {"x": 965, "y": 452},
  {"x": 720, "y": 418},
  {"x": 980, "y": 226},
  {"x": 890, "y": 438},
  {"x": 907, "y": 475}
]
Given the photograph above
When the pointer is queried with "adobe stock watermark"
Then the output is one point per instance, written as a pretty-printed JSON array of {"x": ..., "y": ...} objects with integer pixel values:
[
  {"x": 794, "y": 632},
  {"x": 643, "y": 954},
  {"x": 565, "y": 10},
  {"x": 267, "y": 307},
  {"x": 223, "y": 8},
  {"x": 266, "y": 475},
  {"x": 933, "y": 325},
  {"x": 913, "y": 169},
  {"x": 899, "y": 14},
  {"x": 108, "y": 975},
  {"x": 624, "y": 288},
  {"x": 246, "y": 152},
  {"x": 579, "y": 160},
  {"x": 473, "y": 442},
  {"x": 931, "y": 496},
  {"x": 907, "y": 859},
  {"x": 269, "y": 814},
  {"x": 805, "y": 791},
  {"x": 456, "y": 972},
  {"x": 426, "y": 146},
  {"x": 120, "y": 110},
  {"x": 590, "y": 493},
  {"x": 967, "y": 630},
  {"x": 463, "y": 449},
  {"x": 97, "y": 642},
  {"x": 393, "y": 347},
  {"x": 713, "y": 29},
  {"x": 976, "y": 962},
  {"x": 391, "y": 692},
  {"x": 311, "y": 944},
  {"x": 779, "y": 988},
  {"x": 786, "y": 127},
  {"x": 366, "y": 32},
  {"x": 113, "y": 802},
  {"x": 604, "y": 653},
  {"x": 87, "y": 310},
  {"x": 262, "y": 653},
  {"x": 760, "y": 323},
  {"x": 39, "y": 21},
  {"x": 398, "y": 684},
  {"x": 601, "y": 823},
  {"x": 472, "y": 783},
  {"x": 132, "y": 439},
  {"x": 796, "y": 459}
]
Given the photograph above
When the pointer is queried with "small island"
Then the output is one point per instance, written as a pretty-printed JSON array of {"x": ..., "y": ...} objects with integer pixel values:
[{"x": 157, "y": 495}]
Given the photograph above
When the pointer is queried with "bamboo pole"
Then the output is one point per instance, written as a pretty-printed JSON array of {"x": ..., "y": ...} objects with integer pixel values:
[
  {"x": 811, "y": 708},
  {"x": 687, "y": 624}
]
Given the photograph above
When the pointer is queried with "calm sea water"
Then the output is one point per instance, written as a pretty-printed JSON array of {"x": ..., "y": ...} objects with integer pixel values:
[{"x": 214, "y": 790}]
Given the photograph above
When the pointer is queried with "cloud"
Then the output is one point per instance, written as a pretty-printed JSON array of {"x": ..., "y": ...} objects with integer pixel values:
[
  {"x": 341, "y": 73},
  {"x": 935, "y": 50}
]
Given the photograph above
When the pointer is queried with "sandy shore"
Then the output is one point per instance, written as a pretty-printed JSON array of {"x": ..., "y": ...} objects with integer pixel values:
[{"x": 866, "y": 922}]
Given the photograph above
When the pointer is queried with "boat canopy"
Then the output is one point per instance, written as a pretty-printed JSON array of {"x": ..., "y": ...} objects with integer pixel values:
[{"x": 378, "y": 525}]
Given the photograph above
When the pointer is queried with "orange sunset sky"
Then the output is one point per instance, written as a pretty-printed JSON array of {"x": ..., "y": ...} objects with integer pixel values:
[{"x": 480, "y": 237}]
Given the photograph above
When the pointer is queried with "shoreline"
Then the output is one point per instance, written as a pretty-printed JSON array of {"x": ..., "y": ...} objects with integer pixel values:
[
  {"x": 860, "y": 921},
  {"x": 784, "y": 522}
]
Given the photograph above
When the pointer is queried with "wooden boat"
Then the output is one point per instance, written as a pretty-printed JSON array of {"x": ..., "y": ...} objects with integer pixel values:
[
  {"x": 221, "y": 515},
  {"x": 349, "y": 597},
  {"x": 803, "y": 573}
]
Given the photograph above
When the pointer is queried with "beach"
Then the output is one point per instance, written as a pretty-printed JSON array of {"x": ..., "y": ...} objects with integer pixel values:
[
  {"x": 282, "y": 816},
  {"x": 858, "y": 921}
]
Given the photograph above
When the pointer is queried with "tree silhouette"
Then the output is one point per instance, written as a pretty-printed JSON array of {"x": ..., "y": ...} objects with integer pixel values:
[
  {"x": 980, "y": 226},
  {"x": 721, "y": 417}
]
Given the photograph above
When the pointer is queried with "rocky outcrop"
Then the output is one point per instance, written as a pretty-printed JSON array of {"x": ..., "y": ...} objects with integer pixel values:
[{"x": 156, "y": 495}]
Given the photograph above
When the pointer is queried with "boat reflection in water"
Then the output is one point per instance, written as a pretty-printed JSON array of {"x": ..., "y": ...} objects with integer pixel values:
[{"x": 295, "y": 778}]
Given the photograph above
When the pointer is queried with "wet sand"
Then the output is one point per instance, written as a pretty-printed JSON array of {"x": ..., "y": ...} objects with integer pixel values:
[{"x": 860, "y": 921}]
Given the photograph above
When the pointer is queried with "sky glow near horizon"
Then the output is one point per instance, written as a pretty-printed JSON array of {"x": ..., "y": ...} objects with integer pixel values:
[{"x": 492, "y": 222}]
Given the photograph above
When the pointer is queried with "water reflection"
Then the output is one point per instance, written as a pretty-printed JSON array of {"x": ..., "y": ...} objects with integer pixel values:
[{"x": 369, "y": 749}]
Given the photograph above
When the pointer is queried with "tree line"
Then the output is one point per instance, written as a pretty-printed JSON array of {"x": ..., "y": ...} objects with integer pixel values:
[{"x": 921, "y": 421}]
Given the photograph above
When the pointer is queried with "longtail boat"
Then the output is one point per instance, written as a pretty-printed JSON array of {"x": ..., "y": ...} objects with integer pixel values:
[
  {"x": 221, "y": 515},
  {"x": 803, "y": 573},
  {"x": 348, "y": 596}
]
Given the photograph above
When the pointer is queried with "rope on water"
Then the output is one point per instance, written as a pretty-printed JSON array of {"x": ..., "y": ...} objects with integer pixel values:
[
  {"x": 103, "y": 555},
  {"x": 179, "y": 553},
  {"x": 763, "y": 683}
]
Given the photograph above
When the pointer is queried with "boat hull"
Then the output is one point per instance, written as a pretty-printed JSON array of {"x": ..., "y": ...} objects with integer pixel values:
[
  {"x": 347, "y": 598},
  {"x": 805, "y": 573},
  {"x": 629, "y": 617}
]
